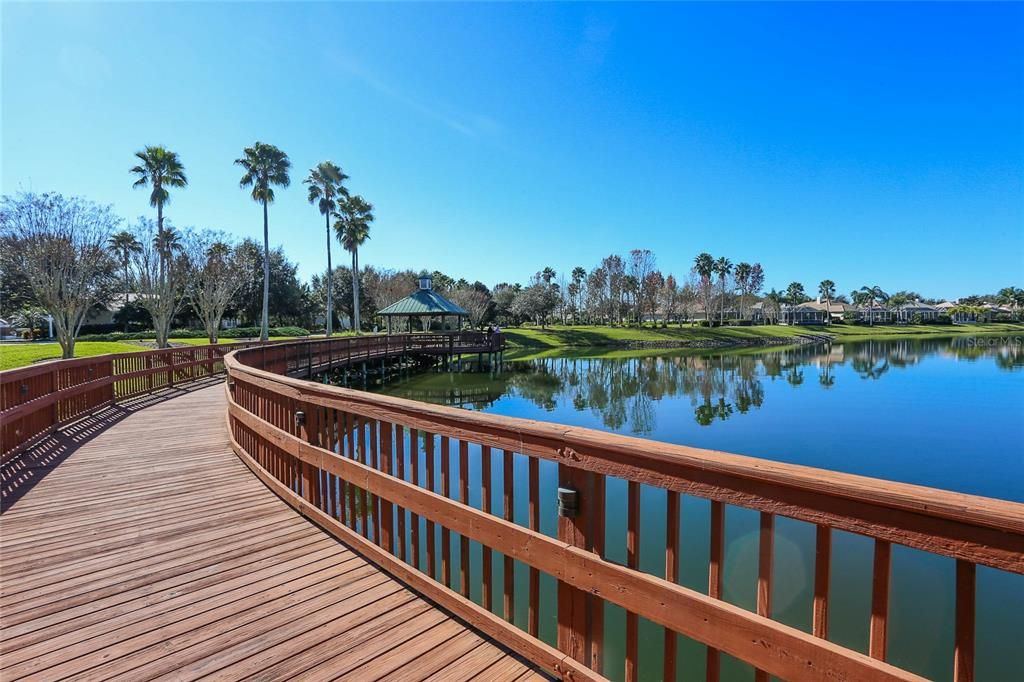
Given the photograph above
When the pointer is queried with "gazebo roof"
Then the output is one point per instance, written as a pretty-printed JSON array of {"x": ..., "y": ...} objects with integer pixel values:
[{"x": 423, "y": 302}]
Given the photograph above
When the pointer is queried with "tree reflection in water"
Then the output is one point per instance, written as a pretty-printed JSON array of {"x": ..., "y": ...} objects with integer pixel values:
[{"x": 622, "y": 392}]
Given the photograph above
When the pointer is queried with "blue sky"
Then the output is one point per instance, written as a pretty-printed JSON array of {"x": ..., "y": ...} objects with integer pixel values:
[{"x": 868, "y": 143}]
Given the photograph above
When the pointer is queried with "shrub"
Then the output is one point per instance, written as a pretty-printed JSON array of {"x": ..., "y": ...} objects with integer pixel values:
[
  {"x": 703, "y": 323},
  {"x": 249, "y": 332},
  {"x": 236, "y": 333}
]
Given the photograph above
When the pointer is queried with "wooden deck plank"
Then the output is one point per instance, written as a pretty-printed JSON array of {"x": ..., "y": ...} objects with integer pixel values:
[{"x": 151, "y": 551}]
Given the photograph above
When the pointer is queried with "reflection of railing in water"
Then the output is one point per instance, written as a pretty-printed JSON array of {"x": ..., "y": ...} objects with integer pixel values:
[{"x": 282, "y": 428}]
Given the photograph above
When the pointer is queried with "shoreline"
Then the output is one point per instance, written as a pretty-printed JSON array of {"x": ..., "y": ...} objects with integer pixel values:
[{"x": 652, "y": 338}]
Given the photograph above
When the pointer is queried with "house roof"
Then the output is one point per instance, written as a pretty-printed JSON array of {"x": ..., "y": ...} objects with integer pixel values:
[
  {"x": 423, "y": 302},
  {"x": 917, "y": 305}
]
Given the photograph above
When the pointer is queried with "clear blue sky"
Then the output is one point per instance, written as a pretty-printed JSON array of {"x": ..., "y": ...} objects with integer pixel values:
[{"x": 868, "y": 143}]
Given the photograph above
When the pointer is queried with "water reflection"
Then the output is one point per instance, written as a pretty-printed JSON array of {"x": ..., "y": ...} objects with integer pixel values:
[{"x": 621, "y": 392}]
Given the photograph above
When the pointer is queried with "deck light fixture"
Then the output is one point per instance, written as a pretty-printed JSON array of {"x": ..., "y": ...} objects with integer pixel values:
[
  {"x": 567, "y": 501},
  {"x": 300, "y": 417}
]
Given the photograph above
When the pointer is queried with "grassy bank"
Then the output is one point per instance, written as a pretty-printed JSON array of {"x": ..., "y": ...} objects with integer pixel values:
[
  {"x": 13, "y": 355},
  {"x": 595, "y": 336}
]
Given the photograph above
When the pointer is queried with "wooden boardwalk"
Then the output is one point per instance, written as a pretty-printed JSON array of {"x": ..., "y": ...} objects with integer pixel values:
[{"x": 143, "y": 548}]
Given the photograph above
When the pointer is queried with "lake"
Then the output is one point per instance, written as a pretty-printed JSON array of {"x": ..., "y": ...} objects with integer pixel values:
[{"x": 940, "y": 413}]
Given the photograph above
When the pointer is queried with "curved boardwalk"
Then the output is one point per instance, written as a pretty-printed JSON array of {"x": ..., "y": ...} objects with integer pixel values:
[{"x": 145, "y": 549}]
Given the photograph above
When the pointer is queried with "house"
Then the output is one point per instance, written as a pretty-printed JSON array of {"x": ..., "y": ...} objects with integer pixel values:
[
  {"x": 803, "y": 313},
  {"x": 986, "y": 312},
  {"x": 913, "y": 309},
  {"x": 874, "y": 314},
  {"x": 104, "y": 314}
]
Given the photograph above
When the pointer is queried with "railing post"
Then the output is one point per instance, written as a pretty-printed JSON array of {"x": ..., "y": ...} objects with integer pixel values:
[
  {"x": 170, "y": 368},
  {"x": 55, "y": 408},
  {"x": 574, "y": 528}
]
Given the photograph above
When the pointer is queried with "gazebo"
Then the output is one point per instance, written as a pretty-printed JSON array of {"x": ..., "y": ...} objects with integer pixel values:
[{"x": 424, "y": 302}]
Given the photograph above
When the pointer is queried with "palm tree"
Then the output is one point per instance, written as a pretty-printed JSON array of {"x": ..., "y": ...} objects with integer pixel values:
[
  {"x": 871, "y": 295},
  {"x": 352, "y": 229},
  {"x": 742, "y": 275},
  {"x": 774, "y": 299},
  {"x": 704, "y": 266},
  {"x": 160, "y": 169},
  {"x": 265, "y": 166},
  {"x": 578, "y": 276},
  {"x": 723, "y": 266},
  {"x": 167, "y": 243},
  {"x": 1012, "y": 297},
  {"x": 325, "y": 187},
  {"x": 124, "y": 244},
  {"x": 547, "y": 274},
  {"x": 827, "y": 290}
]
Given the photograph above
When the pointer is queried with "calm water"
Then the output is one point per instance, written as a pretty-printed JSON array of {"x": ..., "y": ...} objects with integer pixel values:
[{"x": 944, "y": 413}]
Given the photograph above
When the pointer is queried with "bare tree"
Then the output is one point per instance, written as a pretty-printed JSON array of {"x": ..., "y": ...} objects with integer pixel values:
[
  {"x": 159, "y": 273},
  {"x": 215, "y": 273},
  {"x": 60, "y": 245},
  {"x": 641, "y": 265},
  {"x": 670, "y": 299},
  {"x": 474, "y": 301}
]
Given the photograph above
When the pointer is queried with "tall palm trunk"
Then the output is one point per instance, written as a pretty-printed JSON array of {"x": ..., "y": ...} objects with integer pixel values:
[
  {"x": 124, "y": 311},
  {"x": 330, "y": 278},
  {"x": 355, "y": 290},
  {"x": 264, "y": 331},
  {"x": 721, "y": 305},
  {"x": 160, "y": 238}
]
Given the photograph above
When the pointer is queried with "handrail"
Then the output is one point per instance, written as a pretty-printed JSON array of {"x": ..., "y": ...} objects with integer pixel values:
[
  {"x": 37, "y": 399},
  {"x": 342, "y": 458}
]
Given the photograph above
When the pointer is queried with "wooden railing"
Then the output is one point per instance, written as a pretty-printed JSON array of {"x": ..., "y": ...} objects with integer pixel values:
[
  {"x": 36, "y": 400},
  {"x": 308, "y": 358},
  {"x": 392, "y": 477}
]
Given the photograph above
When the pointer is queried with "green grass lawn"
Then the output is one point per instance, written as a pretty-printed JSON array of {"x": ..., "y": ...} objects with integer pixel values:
[
  {"x": 14, "y": 355},
  {"x": 556, "y": 336},
  {"x": 561, "y": 336},
  {"x": 858, "y": 332}
]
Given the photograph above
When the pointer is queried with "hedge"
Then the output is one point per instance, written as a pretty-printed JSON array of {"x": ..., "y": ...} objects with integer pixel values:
[{"x": 235, "y": 333}]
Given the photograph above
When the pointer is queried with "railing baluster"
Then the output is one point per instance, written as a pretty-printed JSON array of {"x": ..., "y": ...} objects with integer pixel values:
[
  {"x": 595, "y": 640},
  {"x": 715, "y": 577},
  {"x": 446, "y": 535},
  {"x": 822, "y": 575},
  {"x": 878, "y": 638},
  {"x": 375, "y": 464},
  {"x": 671, "y": 574},
  {"x": 766, "y": 548},
  {"x": 414, "y": 478},
  {"x": 432, "y": 486},
  {"x": 353, "y": 491},
  {"x": 364, "y": 498},
  {"x": 400, "y": 473},
  {"x": 633, "y": 561},
  {"x": 533, "y": 617},
  {"x": 963, "y": 653},
  {"x": 464, "y": 499},
  {"x": 508, "y": 481},
  {"x": 386, "y": 507},
  {"x": 485, "y": 500}
]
